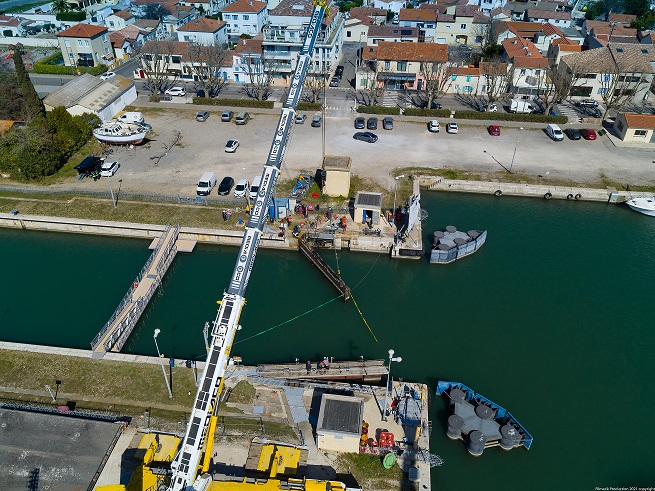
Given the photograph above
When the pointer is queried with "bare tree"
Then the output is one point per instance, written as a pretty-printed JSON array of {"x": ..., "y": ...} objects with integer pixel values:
[
  {"x": 620, "y": 81},
  {"x": 261, "y": 73},
  {"x": 498, "y": 77},
  {"x": 437, "y": 76},
  {"x": 371, "y": 91},
  {"x": 315, "y": 83},
  {"x": 206, "y": 62},
  {"x": 485, "y": 33},
  {"x": 156, "y": 60}
]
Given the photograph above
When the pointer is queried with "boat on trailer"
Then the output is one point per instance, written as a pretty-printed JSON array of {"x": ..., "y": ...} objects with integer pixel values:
[{"x": 119, "y": 133}]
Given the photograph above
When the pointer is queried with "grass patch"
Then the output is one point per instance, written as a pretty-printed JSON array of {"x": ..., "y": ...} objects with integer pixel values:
[
  {"x": 21, "y": 8},
  {"x": 369, "y": 472},
  {"x": 239, "y": 429},
  {"x": 118, "y": 383},
  {"x": 242, "y": 393}
]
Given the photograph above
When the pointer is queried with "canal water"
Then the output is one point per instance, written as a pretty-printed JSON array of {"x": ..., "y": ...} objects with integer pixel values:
[{"x": 550, "y": 319}]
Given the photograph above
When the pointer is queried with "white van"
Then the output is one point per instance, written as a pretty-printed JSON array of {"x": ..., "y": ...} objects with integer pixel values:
[
  {"x": 131, "y": 117},
  {"x": 206, "y": 184},
  {"x": 554, "y": 132},
  {"x": 254, "y": 188}
]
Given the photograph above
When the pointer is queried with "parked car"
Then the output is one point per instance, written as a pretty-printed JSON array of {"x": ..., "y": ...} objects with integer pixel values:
[
  {"x": 493, "y": 130},
  {"x": 360, "y": 123},
  {"x": 202, "y": 116},
  {"x": 108, "y": 169},
  {"x": 493, "y": 108},
  {"x": 572, "y": 134},
  {"x": 317, "y": 121},
  {"x": 107, "y": 75},
  {"x": 366, "y": 136},
  {"x": 242, "y": 187},
  {"x": 435, "y": 105},
  {"x": 231, "y": 146},
  {"x": 206, "y": 184},
  {"x": 588, "y": 134},
  {"x": 433, "y": 126},
  {"x": 225, "y": 186},
  {"x": 372, "y": 124},
  {"x": 339, "y": 71},
  {"x": 587, "y": 103},
  {"x": 451, "y": 127},
  {"x": 300, "y": 118},
  {"x": 242, "y": 118},
  {"x": 387, "y": 123},
  {"x": 145, "y": 126},
  {"x": 555, "y": 132},
  {"x": 227, "y": 116},
  {"x": 334, "y": 81},
  {"x": 175, "y": 91}
]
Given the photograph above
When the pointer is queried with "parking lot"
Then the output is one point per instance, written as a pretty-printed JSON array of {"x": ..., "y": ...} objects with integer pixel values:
[{"x": 201, "y": 149}]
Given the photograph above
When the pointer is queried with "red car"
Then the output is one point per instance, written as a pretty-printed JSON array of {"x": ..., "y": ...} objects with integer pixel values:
[
  {"x": 588, "y": 134},
  {"x": 494, "y": 130}
]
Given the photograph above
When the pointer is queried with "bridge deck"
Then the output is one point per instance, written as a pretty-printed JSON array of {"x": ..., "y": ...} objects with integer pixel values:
[{"x": 131, "y": 310}]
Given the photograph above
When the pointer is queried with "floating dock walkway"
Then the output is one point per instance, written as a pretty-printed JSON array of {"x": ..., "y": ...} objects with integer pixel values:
[
  {"x": 365, "y": 370},
  {"x": 305, "y": 247},
  {"x": 118, "y": 328}
]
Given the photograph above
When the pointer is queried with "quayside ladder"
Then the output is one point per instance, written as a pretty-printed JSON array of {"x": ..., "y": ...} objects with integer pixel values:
[{"x": 189, "y": 459}]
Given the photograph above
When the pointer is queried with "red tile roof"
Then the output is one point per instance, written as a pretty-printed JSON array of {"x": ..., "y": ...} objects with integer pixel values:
[
  {"x": 367, "y": 11},
  {"x": 123, "y": 14},
  {"x": 203, "y": 24},
  {"x": 82, "y": 31},
  {"x": 5, "y": 20},
  {"x": 640, "y": 121},
  {"x": 439, "y": 8},
  {"x": 563, "y": 40},
  {"x": 570, "y": 48},
  {"x": 548, "y": 14},
  {"x": 419, "y": 15},
  {"x": 530, "y": 62},
  {"x": 622, "y": 18},
  {"x": 249, "y": 46},
  {"x": 429, "y": 52},
  {"x": 245, "y": 6},
  {"x": 517, "y": 46},
  {"x": 467, "y": 70}
]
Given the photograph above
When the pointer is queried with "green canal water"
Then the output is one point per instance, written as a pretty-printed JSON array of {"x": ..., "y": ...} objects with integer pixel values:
[{"x": 550, "y": 319}]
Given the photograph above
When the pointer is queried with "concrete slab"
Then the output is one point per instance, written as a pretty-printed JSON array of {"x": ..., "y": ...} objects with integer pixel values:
[
  {"x": 185, "y": 245},
  {"x": 58, "y": 453}
]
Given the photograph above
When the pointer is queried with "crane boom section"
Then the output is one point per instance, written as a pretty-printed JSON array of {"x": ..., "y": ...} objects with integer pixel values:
[{"x": 188, "y": 459}]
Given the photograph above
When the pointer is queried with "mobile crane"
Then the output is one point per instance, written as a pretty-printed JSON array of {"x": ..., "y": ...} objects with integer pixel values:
[{"x": 194, "y": 454}]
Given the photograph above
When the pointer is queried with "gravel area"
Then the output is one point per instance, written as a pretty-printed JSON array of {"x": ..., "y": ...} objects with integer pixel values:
[{"x": 201, "y": 149}]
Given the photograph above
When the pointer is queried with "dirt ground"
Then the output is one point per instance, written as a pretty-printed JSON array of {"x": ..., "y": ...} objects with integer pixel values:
[{"x": 201, "y": 149}]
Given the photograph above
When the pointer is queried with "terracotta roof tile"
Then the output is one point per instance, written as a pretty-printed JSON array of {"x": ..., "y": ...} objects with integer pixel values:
[
  {"x": 445, "y": 18},
  {"x": 363, "y": 19},
  {"x": 630, "y": 58},
  {"x": 83, "y": 31},
  {"x": 245, "y": 6},
  {"x": 123, "y": 14},
  {"x": 408, "y": 52},
  {"x": 392, "y": 31},
  {"x": 640, "y": 121},
  {"x": 548, "y": 29},
  {"x": 368, "y": 12},
  {"x": 249, "y": 46},
  {"x": 203, "y": 24},
  {"x": 570, "y": 48},
  {"x": 439, "y": 8},
  {"x": 467, "y": 70},
  {"x": 5, "y": 20},
  {"x": 530, "y": 62},
  {"x": 563, "y": 40},
  {"x": 517, "y": 46},
  {"x": 419, "y": 15},
  {"x": 548, "y": 14},
  {"x": 622, "y": 18}
]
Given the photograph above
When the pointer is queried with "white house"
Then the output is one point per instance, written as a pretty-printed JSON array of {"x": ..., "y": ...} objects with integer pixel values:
[
  {"x": 285, "y": 33},
  {"x": 393, "y": 34},
  {"x": 209, "y": 7},
  {"x": 119, "y": 20},
  {"x": 179, "y": 16},
  {"x": 487, "y": 5},
  {"x": 422, "y": 19},
  {"x": 244, "y": 17},
  {"x": 392, "y": 5},
  {"x": 9, "y": 26},
  {"x": 554, "y": 17},
  {"x": 356, "y": 29},
  {"x": 203, "y": 31}
]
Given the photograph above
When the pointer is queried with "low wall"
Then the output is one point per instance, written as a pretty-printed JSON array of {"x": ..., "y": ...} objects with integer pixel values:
[
  {"x": 137, "y": 230},
  {"x": 515, "y": 189}
]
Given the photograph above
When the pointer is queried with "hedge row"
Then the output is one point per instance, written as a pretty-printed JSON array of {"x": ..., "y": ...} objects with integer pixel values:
[
  {"x": 527, "y": 118},
  {"x": 49, "y": 65},
  {"x": 71, "y": 16},
  {"x": 378, "y": 110},
  {"x": 309, "y": 106},
  {"x": 436, "y": 113},
  {"x": 233, "y": 102}
]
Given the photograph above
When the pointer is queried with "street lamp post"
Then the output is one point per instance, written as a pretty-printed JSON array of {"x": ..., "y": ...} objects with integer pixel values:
[
  {"x": 386, "y": 393},
  {"x": 163, "y": 370},
  {"x": 393, "y": 212},
  {"x": 514, "y": 154},
  {"x": 111, "y": 190}
]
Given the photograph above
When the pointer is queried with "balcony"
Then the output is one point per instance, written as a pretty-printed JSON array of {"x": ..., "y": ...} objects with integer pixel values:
[{"x": 277, "y": 55}]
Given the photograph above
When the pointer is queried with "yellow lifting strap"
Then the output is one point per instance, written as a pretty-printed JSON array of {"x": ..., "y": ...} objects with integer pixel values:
[{"x": 324, "y": 4}]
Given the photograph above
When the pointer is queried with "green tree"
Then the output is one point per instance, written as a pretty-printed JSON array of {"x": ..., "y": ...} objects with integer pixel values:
[
  {"x": 33, "y": 108},
  {"x": 636, "y": 7},
  {"x": 59, "y": 6},
  {"x": 492, "y": 52},
  {"x": 10, "y": 100},
  {"x": 645, "y": 22},
  {"x": 33, "y": 153},
  {"x": 595, "y": 9}
]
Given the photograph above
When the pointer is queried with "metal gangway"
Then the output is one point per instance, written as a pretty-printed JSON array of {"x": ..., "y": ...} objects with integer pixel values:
[
  {"x": 197, "y": 442},
  {"x": 118, "y": 328}
]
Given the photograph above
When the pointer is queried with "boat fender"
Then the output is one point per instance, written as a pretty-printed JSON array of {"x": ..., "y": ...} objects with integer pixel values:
[
  {"x": 548, "y": 195},
  {"x": 569, "y": 196},
  {"x": 136, "y": 284},
  {"x": 498, "y": 192},
  {"x": 578, "y": 196}
]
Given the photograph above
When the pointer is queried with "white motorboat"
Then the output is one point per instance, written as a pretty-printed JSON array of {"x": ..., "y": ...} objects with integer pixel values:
[
  {"x": 645, "y": 205},
  {"x": 119, "y": 133}
]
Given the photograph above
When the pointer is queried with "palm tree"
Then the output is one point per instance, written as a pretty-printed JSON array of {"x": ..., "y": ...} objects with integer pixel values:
[{"x": 60, "y": 6}]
